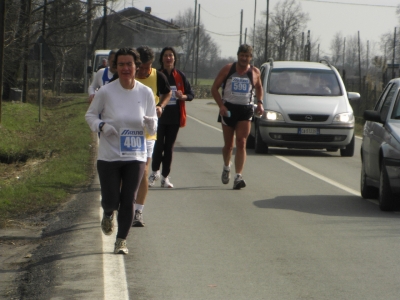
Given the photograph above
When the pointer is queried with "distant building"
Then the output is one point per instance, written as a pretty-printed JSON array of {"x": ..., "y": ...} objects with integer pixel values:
[{"x": 132, "y": 27}]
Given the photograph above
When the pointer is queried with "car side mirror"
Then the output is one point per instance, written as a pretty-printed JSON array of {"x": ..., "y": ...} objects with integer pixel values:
[
  {"x": 373, "y": 115},
  {"x": 353, "y": 96}
]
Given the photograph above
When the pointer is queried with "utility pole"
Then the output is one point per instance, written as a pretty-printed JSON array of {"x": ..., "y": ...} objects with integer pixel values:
[
  {"x": 197, "y": 50},
  {"x": 88, "y": 61},
  {"x": 44, "y": 18},
  {"x": 367, "y": 56},
  {"x": 308, "y": 53},
  {"x": 26, "y": 54},
  {"x": 394, "y": 52},
  {"x": 344, "y": 53},
  {"x": 245, "y": 35},
  {"x": 241, "y": 25},
  {"x": 266, "y": 34},
  {"x": 359, "y": 61},
  {"x": 194, "y": 34},
  {"x": 254, "y": 24},
  {"x": 2, "y": 40},
  {"x": 105, "y": 25}
]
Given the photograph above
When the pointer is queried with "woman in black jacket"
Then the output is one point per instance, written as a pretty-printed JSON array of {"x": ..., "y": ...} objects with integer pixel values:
[{"x": 173, "y": 117}]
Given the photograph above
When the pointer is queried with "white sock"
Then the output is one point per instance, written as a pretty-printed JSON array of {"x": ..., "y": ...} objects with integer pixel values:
[
  {"x": 138, "y": 207},
  {"x": 228, "y": 167},
  {"x": 238, "y": 174}
]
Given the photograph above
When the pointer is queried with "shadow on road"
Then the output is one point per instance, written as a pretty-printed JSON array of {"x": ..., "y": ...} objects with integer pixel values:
[{"x": 330, "y": 205}]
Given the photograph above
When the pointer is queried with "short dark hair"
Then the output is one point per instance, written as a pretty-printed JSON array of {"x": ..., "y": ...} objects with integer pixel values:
[
  {"x": 129, "y": 51},
  {"x": 244, "y": 48},
  {"x": 162, "y": 54},
  {"x": 146, "y": 54}
]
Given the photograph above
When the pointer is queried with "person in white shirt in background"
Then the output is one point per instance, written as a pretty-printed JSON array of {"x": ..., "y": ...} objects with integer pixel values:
[
  {"x": 127, "y": 109},
  {"x": 103, "y": 76}
]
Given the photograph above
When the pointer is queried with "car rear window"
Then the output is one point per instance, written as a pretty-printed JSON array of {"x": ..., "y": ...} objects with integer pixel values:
[{"x": 314, "y": 82}]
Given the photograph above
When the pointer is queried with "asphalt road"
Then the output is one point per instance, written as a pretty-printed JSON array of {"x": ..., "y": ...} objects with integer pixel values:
[{"x": 299, "y": 230}]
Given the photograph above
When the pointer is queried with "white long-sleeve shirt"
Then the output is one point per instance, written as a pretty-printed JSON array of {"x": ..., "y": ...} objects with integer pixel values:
[
  {"x": 123, "y": 109},
  {"x": 98, "y": 80}
]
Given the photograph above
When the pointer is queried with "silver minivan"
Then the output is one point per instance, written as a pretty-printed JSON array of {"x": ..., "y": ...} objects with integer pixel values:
[{"x": 305, "y": 106}]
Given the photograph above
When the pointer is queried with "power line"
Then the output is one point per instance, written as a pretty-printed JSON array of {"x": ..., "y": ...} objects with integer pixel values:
[
  {"x": 358, "y": 4},
  {"x": 219, "y": 17},
  {"x": 221, "y": 34}
]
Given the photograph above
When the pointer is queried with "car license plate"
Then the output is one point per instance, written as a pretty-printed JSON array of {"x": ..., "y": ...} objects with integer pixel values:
[{"x": 308, "y": 131}]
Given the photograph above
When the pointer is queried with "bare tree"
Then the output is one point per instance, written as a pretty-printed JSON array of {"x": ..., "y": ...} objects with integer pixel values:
[
  {"x": 17, "y": 25},
  {"x": 185, "y": 20},
  {"x": 287, "y": 22},
  {"x": 208, "y": 49},
  {"x": 66, "y": 29},
  {"x": 337, "y": 47}
]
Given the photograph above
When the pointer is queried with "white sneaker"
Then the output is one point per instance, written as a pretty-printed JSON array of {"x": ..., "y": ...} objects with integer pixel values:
[
  {"x": 154, "y": 176},
  {"x": 120, "y": 247},
  {"x": 226, "y": 174},
  {"x": 165, "y": 183}
]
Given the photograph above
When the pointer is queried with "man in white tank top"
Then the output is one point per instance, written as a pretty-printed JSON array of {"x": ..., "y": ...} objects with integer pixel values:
[{"x": 239, "y": 81}]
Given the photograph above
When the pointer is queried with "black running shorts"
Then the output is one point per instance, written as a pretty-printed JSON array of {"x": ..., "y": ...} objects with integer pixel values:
[{"x": 238, "y": 113}]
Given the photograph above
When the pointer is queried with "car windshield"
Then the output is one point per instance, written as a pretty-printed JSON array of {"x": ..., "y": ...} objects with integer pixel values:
[{"x": 314, "y": 82}]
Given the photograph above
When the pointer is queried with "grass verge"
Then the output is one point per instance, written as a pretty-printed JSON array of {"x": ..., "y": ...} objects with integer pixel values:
[{"x": 41, "y": 163}]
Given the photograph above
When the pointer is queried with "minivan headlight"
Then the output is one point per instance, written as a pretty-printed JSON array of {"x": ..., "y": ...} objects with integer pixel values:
[
  {"x": 344, "y": 118},
  {"x": 271, "y": 115}
]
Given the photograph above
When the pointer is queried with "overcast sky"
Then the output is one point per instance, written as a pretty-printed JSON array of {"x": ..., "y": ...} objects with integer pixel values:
[{"x": 221, "y": 18}]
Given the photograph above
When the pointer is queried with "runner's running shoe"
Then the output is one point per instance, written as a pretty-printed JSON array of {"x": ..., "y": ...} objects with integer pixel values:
[
  {"x": 226, "y": 174},
  {"x": 165, "y": 183},
  {"x": 138, "y": 219},
  {"x": 239, "y": 182},
  {"x": 120, "y": 247},
  {"x": 154, "y": 176},
  {"x": 107, "y": 224}
]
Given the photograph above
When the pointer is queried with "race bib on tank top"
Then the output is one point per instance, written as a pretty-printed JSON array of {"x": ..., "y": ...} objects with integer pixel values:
[{"x": 240, "y": 86}]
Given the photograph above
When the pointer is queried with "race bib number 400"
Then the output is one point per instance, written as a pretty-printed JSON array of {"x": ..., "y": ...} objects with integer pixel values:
[
  {"x": 240, "y": 86},
  {"x": 132, "y": 142}
]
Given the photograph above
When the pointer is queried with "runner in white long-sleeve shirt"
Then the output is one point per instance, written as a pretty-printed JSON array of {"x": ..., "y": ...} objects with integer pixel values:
[{"x": 127, "y": 108}]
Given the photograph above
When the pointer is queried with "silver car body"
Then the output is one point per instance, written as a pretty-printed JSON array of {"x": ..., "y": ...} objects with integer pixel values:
[
  {"x": 307, "y": 119},
  {"x": 380, "y": 148}
]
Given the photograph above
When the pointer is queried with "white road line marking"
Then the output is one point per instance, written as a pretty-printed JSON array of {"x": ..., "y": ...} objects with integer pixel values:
[
  {"x": 300, "y": 167},
  {"x": 201, "y": 122},
  {"x": 319, "y": 176},
  {"x": 115, "y": 283}
]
